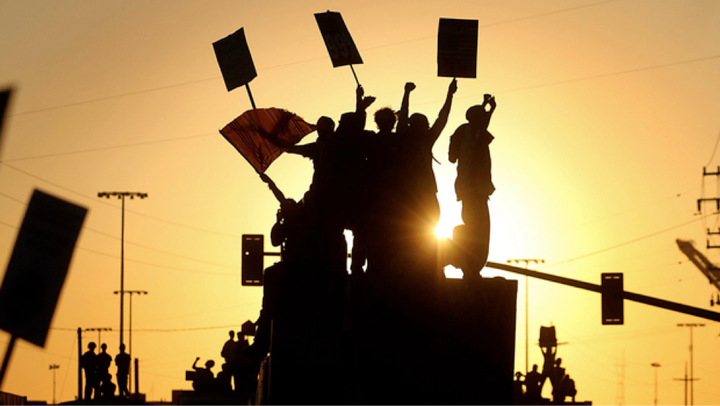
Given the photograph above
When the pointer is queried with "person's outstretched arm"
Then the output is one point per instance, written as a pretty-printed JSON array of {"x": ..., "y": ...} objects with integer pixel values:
[
  {"x": 403, "y": 114},
  {"x": 277, "y": 192},
  {"x": 442, "y": 119}
]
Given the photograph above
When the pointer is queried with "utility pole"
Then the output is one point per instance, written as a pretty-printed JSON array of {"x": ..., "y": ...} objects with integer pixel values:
[
  {"x": 122, "y": 196},
  {"x": 53, "y": 368},
  {"x": 527, "y": 289},
  {"x": 655, "y": 366},
  {"x": 686, "y": 380},
  {"x": 131, "y": 293},
  {"x": 692, "y": 377}
]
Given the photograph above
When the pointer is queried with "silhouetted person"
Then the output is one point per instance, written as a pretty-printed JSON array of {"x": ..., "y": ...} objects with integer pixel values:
[
  {"x": 548, "y": 370},
  {"x": 204, "y": 377},
  {"x": 88, "y": 362},
  {"x": 518, "y": 384},
  {"x": 558, "y": 375},
  {"x": 418, "y": 189},
  {"x": 122, "y": 361},
  {"x": 532, "y": 384},
  {"x": 469, "y": 147},
  {"x": 103, "y": 362},
  {"x": 223, "y": 379},
  {"x": 107, "y": 387}
]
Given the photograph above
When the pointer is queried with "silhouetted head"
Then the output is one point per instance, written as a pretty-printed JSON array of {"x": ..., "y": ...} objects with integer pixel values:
[
  {"x": 91, "y": 345},
  {"x": 475, "y": 112},
  {"x": 478, "y": 115},
  {"x": 558, "y": 362},
  {"x": 122, "y": 347},
  {"x": 209, "y": 364},
  {"x": 325, "y": 126},
  {"x": 418, "y": 122},
  {"x": 231, "y": 334},
  {"x": 103, "y": 347},
  {"x": 385, "y": 119},
  {"x": 535, "y": 367}
]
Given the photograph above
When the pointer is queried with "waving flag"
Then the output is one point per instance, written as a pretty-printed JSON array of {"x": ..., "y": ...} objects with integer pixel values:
[{"x": 261, "y": 135}]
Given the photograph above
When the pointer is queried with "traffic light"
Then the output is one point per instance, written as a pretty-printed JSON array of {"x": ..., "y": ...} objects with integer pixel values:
[
  {"x": 613, "y": 309},
  {"x": 252, "y": 259}
]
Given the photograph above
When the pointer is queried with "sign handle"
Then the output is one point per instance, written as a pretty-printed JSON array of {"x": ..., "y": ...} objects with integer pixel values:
[
  {"x": 6, "y": 361},
  {"x": 252, "y": 101},
  {"x": 353, "y": 71}
]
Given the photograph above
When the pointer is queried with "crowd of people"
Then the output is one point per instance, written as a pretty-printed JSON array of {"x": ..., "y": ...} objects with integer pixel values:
[
  {"x": 238, "y": 373},
  {"x": 98, "y": 380},
  {"x": 381, "y": 186}
]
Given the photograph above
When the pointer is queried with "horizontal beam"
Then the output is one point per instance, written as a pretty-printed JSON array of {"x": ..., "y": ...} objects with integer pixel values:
[{"x": 648, "y": 300}]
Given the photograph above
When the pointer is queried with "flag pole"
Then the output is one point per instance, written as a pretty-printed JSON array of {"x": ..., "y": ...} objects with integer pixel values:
[
  {"x": 355, "y": 75},
  {"x": 252, "y": 101}
]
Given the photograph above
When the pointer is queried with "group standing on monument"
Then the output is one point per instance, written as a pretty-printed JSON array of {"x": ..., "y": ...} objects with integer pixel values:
[{"x": 98, "y": 380}]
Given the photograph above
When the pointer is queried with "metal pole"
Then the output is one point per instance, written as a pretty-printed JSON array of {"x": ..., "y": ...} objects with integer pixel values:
[
  {"x": 692, "y": 376},
  {"x": 636, "y": 297},
  {"x": 122, "y": 268},
  {"x": 80, "y": 394},
  {"x": 54, "y": 367},
  {"x": 527, "y": 312},
  {"x": 131, "y": 293},
  {"x": 655, "y": 366}
]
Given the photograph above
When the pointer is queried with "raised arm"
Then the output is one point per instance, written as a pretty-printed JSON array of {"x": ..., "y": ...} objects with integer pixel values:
[
  {"x": 403, "y": 114},
  {"x": 442, "y": 119},
  {"x": 278, "y": 194}
]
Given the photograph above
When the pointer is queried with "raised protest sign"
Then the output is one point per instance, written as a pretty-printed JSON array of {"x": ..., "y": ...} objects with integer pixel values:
[
  {"x": 457, "y": 48},
  {"x": 337, "y": 39},
  {"x": 233, "y": 56},
  {"x": 38, "y": 266}
]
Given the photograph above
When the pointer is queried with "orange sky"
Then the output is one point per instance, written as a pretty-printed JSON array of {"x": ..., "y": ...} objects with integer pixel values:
[{"x": 607, "y": 113}]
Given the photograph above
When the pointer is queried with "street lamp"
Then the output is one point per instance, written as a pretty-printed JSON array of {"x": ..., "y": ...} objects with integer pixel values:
[
  {"x": 527, "y": 288},
  {"x": 655, "y": 366},
  {"x": 121, "y": 196},
  {"x": 131, "y": 293},
  {"x": 692, "y": 378},
  {"x": 99, "y": 330},
  {"x": 54, "y": 367}
]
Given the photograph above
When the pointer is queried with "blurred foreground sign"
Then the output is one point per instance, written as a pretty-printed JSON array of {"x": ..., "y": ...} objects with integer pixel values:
[
  {"x": 457, "y": 48},
  {"x": 38, "y": 266},
  {"x": 337, "y": 38},
  {"x": 233, "y": 56},
  {"x": 4, "y": 102}
]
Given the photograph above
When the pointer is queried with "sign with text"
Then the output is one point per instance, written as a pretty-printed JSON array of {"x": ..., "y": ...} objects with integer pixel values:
[
  {"x": 38, "y": 266},
  {"x": 457, "y": 48},
  {"x": 233, "y": 56},
  {"x": 337, "y": 38}
]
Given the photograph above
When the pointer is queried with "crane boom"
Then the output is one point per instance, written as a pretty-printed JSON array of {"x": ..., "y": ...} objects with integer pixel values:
[{"x": 708, "y": 269}]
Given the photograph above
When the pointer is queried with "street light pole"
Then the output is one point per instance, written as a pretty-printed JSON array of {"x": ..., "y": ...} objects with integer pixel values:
[
  {"x": 54, "y": 367},
  {"x": 692, "y": 377},
  {"x": 121, "y": 196},
  {"x": 527, "y": 289},
  {"x": 655, "y": 366},
  {"x": 99, "y": 330},
  {"x": 131, "y": 293}
]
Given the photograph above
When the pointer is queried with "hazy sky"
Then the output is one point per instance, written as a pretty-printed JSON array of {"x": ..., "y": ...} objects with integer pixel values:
[{"x": 607, "y": 114}]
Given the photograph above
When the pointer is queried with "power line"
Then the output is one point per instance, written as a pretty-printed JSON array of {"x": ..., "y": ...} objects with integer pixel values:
[
  {"x": 106, "y": 148},
  {"x": 130, "y": 242},
  {"x": 621, "y": 244},
  {"x": 94, "y": 199},
  {"x": 217, "y": 78}
]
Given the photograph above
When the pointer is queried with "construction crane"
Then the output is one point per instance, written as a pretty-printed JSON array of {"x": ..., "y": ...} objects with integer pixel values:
[{"x": 710, "y": 270}]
